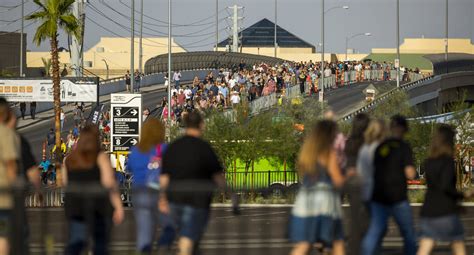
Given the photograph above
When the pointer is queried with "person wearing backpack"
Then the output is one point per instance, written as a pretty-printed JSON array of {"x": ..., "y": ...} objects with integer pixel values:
[{"x": 144, "y": 163}]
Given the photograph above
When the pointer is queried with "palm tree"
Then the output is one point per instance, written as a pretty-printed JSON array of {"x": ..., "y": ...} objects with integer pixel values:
[
  {"x": 54, "y": 15},
  {"x": 46, "y": 66}
]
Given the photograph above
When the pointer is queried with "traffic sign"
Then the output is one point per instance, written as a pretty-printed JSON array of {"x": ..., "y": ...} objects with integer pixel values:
[{"x": 126, "y": 118}]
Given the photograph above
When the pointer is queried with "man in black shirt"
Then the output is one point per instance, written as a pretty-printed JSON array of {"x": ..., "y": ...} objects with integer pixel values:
[
  {"x": 393, "y": 165},
  {"x": 189, "y": 175}
]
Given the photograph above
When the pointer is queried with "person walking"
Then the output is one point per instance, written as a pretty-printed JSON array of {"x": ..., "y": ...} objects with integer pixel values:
[
  {"x": 177, "y": 79},
  {"x": 23, "y": 110},
  {"x": 50, "y": 140},
  {"x": 144, "y": 163},
  {"x": 33, "y": 110},
  {"x": 138, "y": 79},
  {"x": 317, "y": 214},
  {"x": 358, "y": 213},
  {"x": 95, "y": 208},
  {"x": 128, "y": 81},
  {"x": 393, "y": 165},
  {"x": 62, "y": 118},
  {"x": 439, "y": 217},
  {"x": 9, "y": 159},
  {"x": 191, "y": 170},
  {"x": 373, "y": 136}
]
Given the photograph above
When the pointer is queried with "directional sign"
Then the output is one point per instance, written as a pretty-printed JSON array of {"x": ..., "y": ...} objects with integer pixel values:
[
  {"x": 126, "y": 118},
  {"x": 124, "y": 143}
]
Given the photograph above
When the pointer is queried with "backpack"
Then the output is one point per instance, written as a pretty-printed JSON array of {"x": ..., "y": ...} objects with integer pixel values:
[{"x": 154, "y": 168}]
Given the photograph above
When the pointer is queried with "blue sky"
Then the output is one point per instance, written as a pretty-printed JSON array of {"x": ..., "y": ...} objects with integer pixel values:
[{"x": 301, "y": 17}]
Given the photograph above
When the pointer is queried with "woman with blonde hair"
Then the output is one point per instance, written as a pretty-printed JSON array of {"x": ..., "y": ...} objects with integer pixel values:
[
  {"x": 373, "y": 136},
  {"x": 317, "y": 213},
  {"x": 145, "y": 165}
]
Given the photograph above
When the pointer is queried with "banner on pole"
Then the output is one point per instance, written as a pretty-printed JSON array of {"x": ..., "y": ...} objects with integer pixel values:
[{"x": 30, "y": 90}]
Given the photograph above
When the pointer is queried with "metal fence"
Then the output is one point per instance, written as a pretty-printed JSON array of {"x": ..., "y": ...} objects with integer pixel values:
[{"x": 332, "y": 82}]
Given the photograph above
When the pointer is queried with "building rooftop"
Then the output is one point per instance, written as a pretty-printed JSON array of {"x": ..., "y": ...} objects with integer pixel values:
[{"x": 262, "y": 34}]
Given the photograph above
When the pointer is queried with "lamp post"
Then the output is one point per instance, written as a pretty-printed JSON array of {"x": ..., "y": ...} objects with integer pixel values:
[
  {"x": 107, "y": 67},
  {"x": 397, "y": 62},
  {"x": 275, "y": 35},
  {"x": 132, "y": 48},
  {"x": 345, "y": 7},
  {"x": 169, "y": 71},
  {"x": 447, "y": 37},
  {"x": 352, "y": 37}
]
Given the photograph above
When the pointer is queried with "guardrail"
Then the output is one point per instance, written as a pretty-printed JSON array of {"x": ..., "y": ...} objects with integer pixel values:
[
  {"x": 266, "y": 102},
  {"x": 384, "y": 96}
]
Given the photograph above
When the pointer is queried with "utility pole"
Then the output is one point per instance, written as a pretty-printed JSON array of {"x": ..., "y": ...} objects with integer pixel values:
[
  {"x": 22, "y": 74},
  {"x": 235, "y": 31},
  {"x": 397, "y": 62},
  {"x": 447, "y": 37},
  {"x": 76, "y": 43},
  {"x": 132, "y": 48},
  {"x": 321, "y": 96},
  {"x": 140, "y": 57},
  {"x": 217, "y": 23},
  {"x": 275, "y": 35},
  {"x": 169, "y": 70}
]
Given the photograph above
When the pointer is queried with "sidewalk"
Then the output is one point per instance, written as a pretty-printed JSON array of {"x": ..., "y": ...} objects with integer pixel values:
[{"x": 69, "y": 107}]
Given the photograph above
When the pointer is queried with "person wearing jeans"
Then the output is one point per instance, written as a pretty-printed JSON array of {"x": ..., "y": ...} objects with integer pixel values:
[
  {"x": 380, "y": 214},
  {"x": 144, "y": 163},
  {"x": 393, "y": 165}
]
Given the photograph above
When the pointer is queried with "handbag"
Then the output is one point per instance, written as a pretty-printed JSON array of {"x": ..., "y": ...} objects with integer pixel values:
[{"x": 154, "y": 168}]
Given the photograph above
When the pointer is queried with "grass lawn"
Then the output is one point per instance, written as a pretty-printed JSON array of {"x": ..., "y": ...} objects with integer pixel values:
[
  {"x": 408, "y": 60},
  {"x": 263, "y": 176}
]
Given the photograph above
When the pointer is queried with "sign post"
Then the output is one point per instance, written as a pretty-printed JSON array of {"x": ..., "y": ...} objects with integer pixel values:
[{"x": 126, "y": 121}]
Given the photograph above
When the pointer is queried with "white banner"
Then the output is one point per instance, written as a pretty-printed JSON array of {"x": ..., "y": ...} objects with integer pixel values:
[{"x": 42, "y": 91}]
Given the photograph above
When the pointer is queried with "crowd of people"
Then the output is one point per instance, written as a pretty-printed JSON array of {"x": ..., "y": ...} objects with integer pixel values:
[
  {"x": 173, "y": 186},
  {"x": 374, "y": 169},
  {"x": 231, "y": 87}
]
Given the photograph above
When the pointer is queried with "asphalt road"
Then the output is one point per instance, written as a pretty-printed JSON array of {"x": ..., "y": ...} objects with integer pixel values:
[
  {"x": 260, "y": 230},
  {"x": 340, "y": 100},
  {"x": 36, "y": 134}
]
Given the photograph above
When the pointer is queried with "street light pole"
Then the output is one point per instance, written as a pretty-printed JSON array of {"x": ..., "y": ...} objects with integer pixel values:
[
  {"x": 217, "y": 23},
  {"x": 398, "y": 44},
  {"x": 352, "y": 37},
  {"x": 132, "y": 49},
  {"x": 140, "y": 51},
  {"x": 447, "y": 37},
  {"x": 106, "y": 67},
  {"x": 169, "y": 71},
  {"x": 275, "y": 35},
  {"x": 321, "y": 96},
  {"x": 21, "y": 36}
]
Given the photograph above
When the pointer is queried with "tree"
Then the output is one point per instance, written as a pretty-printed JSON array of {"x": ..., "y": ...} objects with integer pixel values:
[
  {"x": 54, "y": 15},
  {"x": 46, "y": 66}
]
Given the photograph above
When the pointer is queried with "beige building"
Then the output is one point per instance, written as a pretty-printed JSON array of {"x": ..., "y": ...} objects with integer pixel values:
[
  {"x": 430, "y": 46},
  {"x": 115, "y": 51}
]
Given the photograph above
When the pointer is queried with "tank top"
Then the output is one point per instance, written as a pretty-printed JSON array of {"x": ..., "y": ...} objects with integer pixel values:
[{"x": 85, "y": 196}]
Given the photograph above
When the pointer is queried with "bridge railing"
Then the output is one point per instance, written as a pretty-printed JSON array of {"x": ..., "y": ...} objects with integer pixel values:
[
  {"x": 331, "y": 82},
  {"x": 384, "y": 96}
]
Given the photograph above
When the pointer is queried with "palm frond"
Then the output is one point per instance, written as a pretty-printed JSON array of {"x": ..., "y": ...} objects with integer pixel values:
[
  {"x": 42, "y": 32},
  {"x": 40, "y": 4},
  {"x": 65, "y": 5},
  {"x": 37, "y": 15}
]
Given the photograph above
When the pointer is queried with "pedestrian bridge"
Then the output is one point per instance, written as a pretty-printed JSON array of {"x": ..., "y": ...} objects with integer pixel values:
[{"x": 430, "y": 95}]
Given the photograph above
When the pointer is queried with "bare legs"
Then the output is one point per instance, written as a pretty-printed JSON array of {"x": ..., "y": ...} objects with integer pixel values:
[
  {"x": 303, "y": 248},
  {"x": 427, "y": 245}
]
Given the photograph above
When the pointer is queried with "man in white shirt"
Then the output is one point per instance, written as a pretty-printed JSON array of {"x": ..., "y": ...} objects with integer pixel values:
[
  {"x": 177, "y": 79},
  {"x": 235, "y": 99},
  {"x": 327, "y": 72},
  {"x": 188, "y": 93}
]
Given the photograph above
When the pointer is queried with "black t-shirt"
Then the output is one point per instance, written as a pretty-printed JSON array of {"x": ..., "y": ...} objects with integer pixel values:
[
  {"x": 441, "y": 198},
  {"x": 390, "y": 159},
  {"x": 191, "y": 164},
  {"x": 27, "y": 159}
]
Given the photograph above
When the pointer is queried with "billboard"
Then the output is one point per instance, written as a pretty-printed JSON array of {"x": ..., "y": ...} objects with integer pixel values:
[{"x": 31, "y": 90}]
